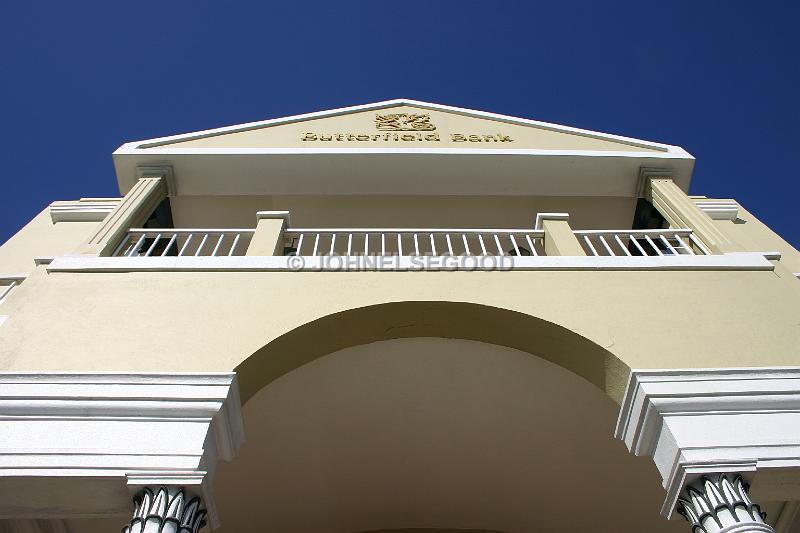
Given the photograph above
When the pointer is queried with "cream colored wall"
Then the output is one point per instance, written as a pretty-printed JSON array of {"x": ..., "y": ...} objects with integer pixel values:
[
  {"x": 41, "y": 238},
  {"x": 754, "y": 235},
  {"x": 446, "y": 123},
  {"x": 212, "y": 321},
  {"x": 403, "y": 211}
]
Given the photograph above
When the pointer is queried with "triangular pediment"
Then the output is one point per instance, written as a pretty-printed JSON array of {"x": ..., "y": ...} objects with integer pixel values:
[{"x": 402, "y": 124}]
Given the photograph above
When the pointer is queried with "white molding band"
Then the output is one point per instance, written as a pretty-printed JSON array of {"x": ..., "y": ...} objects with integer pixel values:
[
  {"x": 106, "y": 431},
  {"x": 83, "y": 210},
  {"x": 285, "y": 215},
  {"x": 541, "y": 217},
  {"x": 705, "y": 421},
  {"x": 718, "y": 209},
  {"x": 377, "y": 106},
  {"x": 732, "y": 261}
]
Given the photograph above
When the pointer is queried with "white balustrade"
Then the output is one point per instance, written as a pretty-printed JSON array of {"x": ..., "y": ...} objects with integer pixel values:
[
  {"x": 413, "y": 242},
  {"x": 141, "y": 242},
  {"x": 184, "y": 242},
  {"x": 656, "y": 242}
]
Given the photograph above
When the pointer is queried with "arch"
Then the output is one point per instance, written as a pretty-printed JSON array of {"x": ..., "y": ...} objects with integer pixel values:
[{"x": 459, "y": 320}]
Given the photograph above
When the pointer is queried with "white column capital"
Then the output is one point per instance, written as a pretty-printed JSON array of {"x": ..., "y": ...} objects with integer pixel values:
[
  {"x": 720, "y": 504},
  {"x": 695, "y": 422}
]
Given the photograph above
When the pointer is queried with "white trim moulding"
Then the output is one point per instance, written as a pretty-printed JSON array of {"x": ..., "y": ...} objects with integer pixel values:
[
  {"x": 83, "y": 210},
  {"x": 109, "y": 431},
  {"x": 719, "y": 209},
  {"x": 700, "y": 421},
  {"x": 732, "y": 261},
  {"x": 139, "y": 146}
]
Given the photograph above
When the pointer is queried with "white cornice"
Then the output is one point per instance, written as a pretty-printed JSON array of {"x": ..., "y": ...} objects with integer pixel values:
[
  {"x": 126, "y": 428},
  {"x": 83, "y": 210},
  {"x": 698, "y": 421},
  {"x": 718, "y": 209}
]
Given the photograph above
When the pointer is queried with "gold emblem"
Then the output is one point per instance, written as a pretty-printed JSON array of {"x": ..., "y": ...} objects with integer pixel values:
[{"x": 404, "y": 122}]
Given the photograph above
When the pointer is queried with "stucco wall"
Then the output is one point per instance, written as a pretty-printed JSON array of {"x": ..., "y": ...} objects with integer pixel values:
[
  {"x": 41, "y": 238},
  {"x": 403, "y": 211},
  {"x": 214, "y": 321}
]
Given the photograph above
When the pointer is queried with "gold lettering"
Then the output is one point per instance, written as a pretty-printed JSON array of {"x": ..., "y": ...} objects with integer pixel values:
[
  {"x": 489, "y": 138},
  {"x": 457, "y": 137},
  {"x": 505, "y": 138},
  {"x": 376, "y": 136},
  {"x": 309, "y": 137},
  {"x": 339, "y": 137},
  {"x": 408, "y": 137},
  {"x": 474, "y": 138},
  {"x": 362, "y": 137},
  {"x": 432, "y": 137},
  {"x": 325, "y": 137}
]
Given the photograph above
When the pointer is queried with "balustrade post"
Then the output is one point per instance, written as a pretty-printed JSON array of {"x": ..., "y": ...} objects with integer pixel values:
[
  {"x": 134, "y": 208},
  {"x": 268, "y": 237},
  {"x": 681, "y": 212},
  {"x": 166, "y": 510},
  {"x": 559, "y": 238},
  {"x": 720, "y": 504}
]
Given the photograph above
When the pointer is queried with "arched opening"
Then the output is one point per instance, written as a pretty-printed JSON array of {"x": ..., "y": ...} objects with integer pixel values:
[
  {"x": 431, "y": 434},
  {"x": 450, "y": 320}
]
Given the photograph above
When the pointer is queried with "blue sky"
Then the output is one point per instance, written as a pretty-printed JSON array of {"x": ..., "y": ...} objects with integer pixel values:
[{"x": 717, "y": 78}]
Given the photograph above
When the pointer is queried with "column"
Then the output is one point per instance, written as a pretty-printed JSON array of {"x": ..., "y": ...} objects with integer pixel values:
[
  {"x": 719, "y": 503},
  {"x": 681, "y": 212},
  {"x": 558, "y": 236},
  {"x": 134, "y": 208},
  {"x": 166, "y": 510},
  {"x": 268, "y": 238}
]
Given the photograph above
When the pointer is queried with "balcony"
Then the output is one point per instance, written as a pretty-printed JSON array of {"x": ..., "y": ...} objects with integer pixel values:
[
  {"x": 276, "y": 246},
  {"x": 391, "y": 242}
]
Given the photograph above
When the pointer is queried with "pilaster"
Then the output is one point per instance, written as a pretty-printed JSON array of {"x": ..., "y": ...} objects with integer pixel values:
[
  {"x": 134, "y": 208},
  {"x": 682, "y": 212},
  {"x": 559, "y": 238},
  {"x": 268, "y": 237}
]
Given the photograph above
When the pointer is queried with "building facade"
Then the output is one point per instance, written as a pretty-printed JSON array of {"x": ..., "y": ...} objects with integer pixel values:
[{"x": 396, "y": 317}]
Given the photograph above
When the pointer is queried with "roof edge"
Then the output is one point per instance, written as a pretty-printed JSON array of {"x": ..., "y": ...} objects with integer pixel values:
[{"x": 160, "y": 141}]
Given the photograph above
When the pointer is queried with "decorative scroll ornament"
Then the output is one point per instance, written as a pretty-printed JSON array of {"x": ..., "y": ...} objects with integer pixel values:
[
  {"x": 165, "y": 511},
  {"x": 722, "y": 506},
  {"x": 404, "y": 122}
]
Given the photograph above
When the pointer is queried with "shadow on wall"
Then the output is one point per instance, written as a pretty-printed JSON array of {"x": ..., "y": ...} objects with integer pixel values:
[{"x": 453, "y": 320}]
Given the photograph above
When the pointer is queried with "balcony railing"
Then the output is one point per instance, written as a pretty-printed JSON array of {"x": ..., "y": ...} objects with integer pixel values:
[
  {"x": 640, "y": 242},
  {"x": 413, "y": 242},
  {"x": 184, "y": 242},
  {"x": 317, "y": 242}
]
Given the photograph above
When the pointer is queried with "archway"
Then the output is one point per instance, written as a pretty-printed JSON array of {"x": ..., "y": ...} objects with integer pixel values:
[
  {"x": 443, "y": 319},
  {"x": 431, "y": 434}
]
